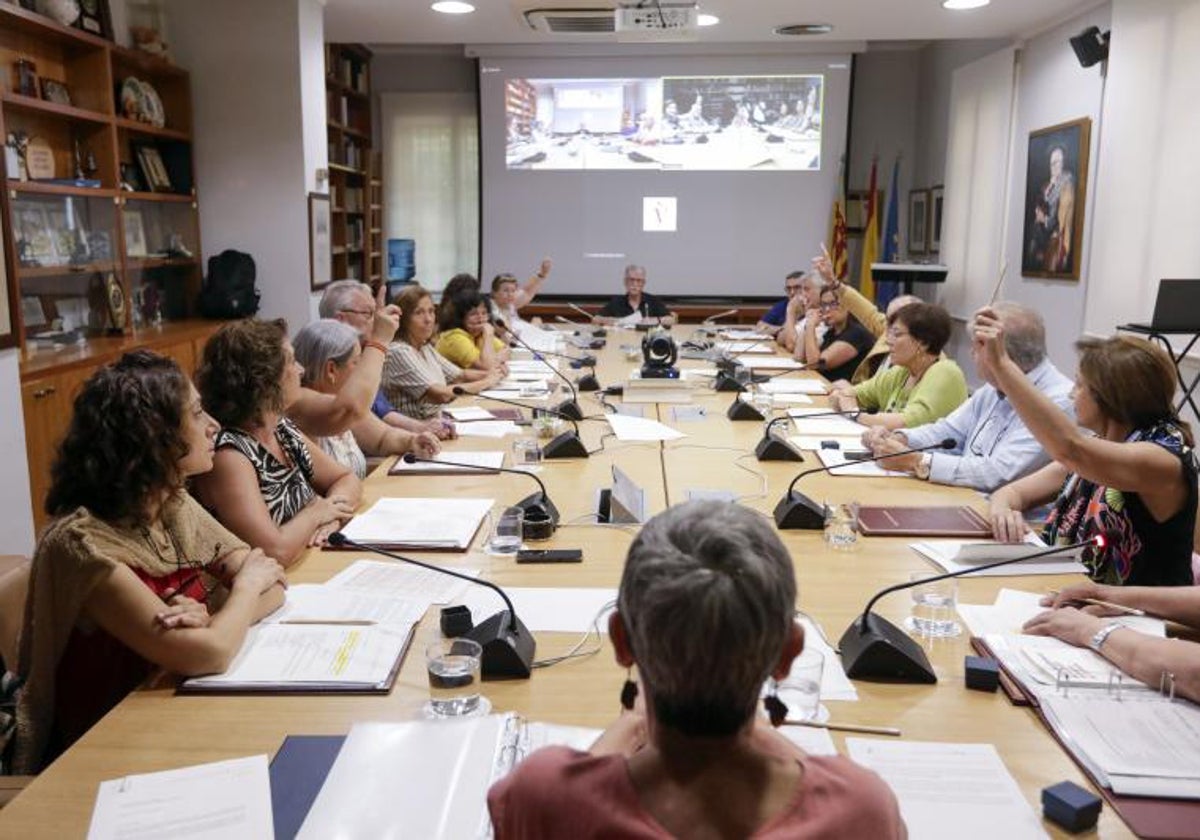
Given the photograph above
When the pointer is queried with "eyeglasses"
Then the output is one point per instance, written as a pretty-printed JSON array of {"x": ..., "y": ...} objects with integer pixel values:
[
  {"x": 366, "y": 313},
  {"x": 827, "y": 305}
]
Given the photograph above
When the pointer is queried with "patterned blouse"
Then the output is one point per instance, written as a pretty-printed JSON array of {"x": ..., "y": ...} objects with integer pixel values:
[
  {"x": 345, "y": 450},
  {"x": 286, "y": 488},
  {"x": 1142, "y": 552},
  {"x": 408, "y": 373}
]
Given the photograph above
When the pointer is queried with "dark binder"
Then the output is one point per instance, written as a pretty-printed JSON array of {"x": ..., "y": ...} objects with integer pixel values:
[{"x": 297, "y": 773}]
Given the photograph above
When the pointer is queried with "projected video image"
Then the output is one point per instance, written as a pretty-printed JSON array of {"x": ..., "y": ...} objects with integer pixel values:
[{"x": 686, "y": 123}]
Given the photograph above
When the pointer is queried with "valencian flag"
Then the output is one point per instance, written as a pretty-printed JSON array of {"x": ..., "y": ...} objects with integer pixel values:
[
  {"x": 870, "y": 249},
  {"x": 837, "y": 234},
  {"x": 891, "y": 238}
]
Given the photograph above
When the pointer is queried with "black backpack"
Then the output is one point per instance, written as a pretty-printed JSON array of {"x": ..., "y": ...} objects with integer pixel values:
[{"x": 228, "y": 290}]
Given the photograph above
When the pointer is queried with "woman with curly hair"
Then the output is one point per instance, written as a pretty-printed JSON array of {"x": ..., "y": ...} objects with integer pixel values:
[
  {"x": 270, "y": 484},
  {"x": 122, "y": 578},
  {"x": 468, "y": 337}
]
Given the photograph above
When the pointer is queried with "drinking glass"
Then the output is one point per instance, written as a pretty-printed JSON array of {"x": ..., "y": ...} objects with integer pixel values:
[
  {"x": 933, "y": 607},
  {"x": 526, "y": 452},
  {"x": 508, "y": 531},
  {"x": 841, "y": 526},
  {"x": 453, "y": 667},
  {"x": 800, "y": 690}
]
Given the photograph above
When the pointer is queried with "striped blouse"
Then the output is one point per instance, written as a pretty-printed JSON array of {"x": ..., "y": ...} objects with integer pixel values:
[
  {"x": 408, "y": 373},
  {"x": 286, "y": 488}
]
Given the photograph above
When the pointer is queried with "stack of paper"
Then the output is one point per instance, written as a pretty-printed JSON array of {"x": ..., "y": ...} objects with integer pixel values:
[
  {"x": 445, "y": 524},
  {"x": 814, "y": 387},
  {"x": 488, "y": 429},
  {"x": 1042, "y": 663},
  {"x": 957, "y": 555},
  {"x": 837, "y": 459},
  {"x": 641, "y": 428},
  {"x": 481, "y": 463},
  {"x": 390, "y": 579},
  {"x": 744, "y": 335},
  {"x": 467, "y": 413},
  {"x": 757, "y": 346},
  {"x": 765, "y": 362},
  {"x": 825, "y": 426},
  {"x": 1013, "y": 608}
]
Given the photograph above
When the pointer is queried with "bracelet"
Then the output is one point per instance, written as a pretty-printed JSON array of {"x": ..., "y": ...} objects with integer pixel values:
[{"x": 378, "y": 345}]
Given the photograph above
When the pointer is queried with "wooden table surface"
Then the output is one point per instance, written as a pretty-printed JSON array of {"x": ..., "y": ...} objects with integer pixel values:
[{"x": 154, "y": 729}]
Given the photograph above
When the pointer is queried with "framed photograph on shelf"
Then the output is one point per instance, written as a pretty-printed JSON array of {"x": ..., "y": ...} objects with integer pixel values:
[
  {"x": 320, "y": 241},
  {"x": 918, "y": 221},
  {"x": 1055, "y": 195},
  {"x": 95, "y": 17},
  {"x": 936, "y": 206},
  {"x": 55, "y": 92},
  {"x": 35, "y": 241},
  {"x": 135, "y": 235},
  {"x": 154, "y": 173}
]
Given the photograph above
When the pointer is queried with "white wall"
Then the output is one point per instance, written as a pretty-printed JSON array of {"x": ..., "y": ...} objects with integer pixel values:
[
  {"x": 253, "y": 135},
  {"x": 16, "y": 520}
]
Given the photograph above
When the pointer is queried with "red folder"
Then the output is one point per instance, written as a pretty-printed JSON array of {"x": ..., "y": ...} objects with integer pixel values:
[{"x": 960, "y": 521}]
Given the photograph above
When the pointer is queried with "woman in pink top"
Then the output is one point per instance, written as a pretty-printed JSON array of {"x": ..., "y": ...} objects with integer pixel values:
[{"x": 706, "y": 613}]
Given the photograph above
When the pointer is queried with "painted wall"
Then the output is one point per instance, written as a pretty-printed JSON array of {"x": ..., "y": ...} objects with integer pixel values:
[{"x": 16, "y": 520}]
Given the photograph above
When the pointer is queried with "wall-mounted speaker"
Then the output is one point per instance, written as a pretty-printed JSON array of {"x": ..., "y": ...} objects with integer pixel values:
[{"x": 1091, "y": 46}]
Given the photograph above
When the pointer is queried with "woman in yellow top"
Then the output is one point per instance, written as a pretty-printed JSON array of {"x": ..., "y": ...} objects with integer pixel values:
[
  {"x": 920, "y": 386},
  {"x": 468, "y": 338}
]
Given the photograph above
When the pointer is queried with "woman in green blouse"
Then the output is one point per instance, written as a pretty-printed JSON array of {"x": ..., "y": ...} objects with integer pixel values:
[{"x": 919, "y": 385}]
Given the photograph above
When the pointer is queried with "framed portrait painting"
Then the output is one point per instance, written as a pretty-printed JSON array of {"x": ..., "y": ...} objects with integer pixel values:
[
  {"x": 918, "y": 221},
  {"x": 320, "y": 241},
  {"x": 937, "y": 203},
  {"x": 1055, "y": 197}
]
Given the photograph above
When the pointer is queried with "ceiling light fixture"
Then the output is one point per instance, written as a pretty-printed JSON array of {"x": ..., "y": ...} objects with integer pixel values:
[
  {"x": 964, "y": 5},
  {"x": 804, "y": 29},
  {"x": 707, "y": 20},
  {"x": 452, "y": 7}
]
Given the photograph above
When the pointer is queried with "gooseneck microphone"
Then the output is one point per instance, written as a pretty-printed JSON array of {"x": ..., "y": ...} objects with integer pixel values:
[
  {"x": 565, "y": 445},
  {"x": 795, "y": 510},
  {"x": 587, "y": 382},
  {"x": 712, "y": 319},
  {"x": 507, "y": 644},
  {"x": 771, "y": 448},
  {"x": 741, "y": 409},
  {"x": 569, "y": 408},
  {"x": 597, "y": 332},
  {"x": 873, "y": 648},
  {"x": 536, "y": 505}
]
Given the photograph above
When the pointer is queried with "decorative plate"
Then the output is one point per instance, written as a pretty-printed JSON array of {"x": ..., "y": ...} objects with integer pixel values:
[
  {"x": 131, "y": 99},
  {"x": 152, "y": 107}
]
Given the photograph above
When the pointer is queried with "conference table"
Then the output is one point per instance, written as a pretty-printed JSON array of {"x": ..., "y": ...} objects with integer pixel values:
[{"x": 157, "y": 729}]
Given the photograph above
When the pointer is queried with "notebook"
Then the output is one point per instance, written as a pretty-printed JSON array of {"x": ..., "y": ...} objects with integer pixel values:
[{"x": 890, "y": 520}]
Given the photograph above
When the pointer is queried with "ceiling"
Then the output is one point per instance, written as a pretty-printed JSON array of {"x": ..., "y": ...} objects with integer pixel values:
[{"x": 742, "y": 21}]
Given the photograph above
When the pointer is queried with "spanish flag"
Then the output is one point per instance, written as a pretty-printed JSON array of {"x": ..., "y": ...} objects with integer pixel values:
[{"x": 870, "y": 249}]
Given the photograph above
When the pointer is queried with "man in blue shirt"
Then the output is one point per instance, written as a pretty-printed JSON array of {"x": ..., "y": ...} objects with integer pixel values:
[
  {"x": 801, "y": 291},
  {"x": 993, "y": 446}
]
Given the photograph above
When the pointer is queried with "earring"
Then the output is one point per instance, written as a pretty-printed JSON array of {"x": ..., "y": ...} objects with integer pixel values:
[
  {"x": 777, "y": 710},
  {"x": 629, "y": 693}
]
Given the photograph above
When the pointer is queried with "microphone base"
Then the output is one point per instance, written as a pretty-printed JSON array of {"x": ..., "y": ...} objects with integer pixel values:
[
  {"x": 797, "y": 511},
  {"x": 739, "y": 409},
  {"x": 569, "y": 408},
  {"x": 773, "y": 449},
  {"x": 536, "y": 503},
  {"x": 507, "y": 652},
  {"x": 566, "y": 445},
  {"x": 725, "y": 382},
  {"x": 587, "y": 382},
  {"x": 880, "y": 651}
]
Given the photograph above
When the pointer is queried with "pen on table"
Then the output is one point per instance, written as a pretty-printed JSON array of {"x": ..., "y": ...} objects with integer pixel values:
[
  {"x": 330, "y": 622},
  {"x": 846, "y": 727},
  {"x": 1096, "y": 602}
]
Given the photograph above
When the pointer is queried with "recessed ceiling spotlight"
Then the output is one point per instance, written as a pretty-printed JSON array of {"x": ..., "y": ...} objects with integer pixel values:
[
  {"x": 804, "y": 29},
  {"x": 452, "y": 7},
  {"x": 963, "y": 5},
  {"x": 707, "y": 20}
]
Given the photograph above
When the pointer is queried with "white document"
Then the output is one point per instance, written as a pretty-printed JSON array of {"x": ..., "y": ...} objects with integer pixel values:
[
  {"x": 469, "y": 412},
  {"x": 780, "y": 400},
  {"x": 1014, "y": 607},
  {"x": 518, "y": 379},
  {"x": 759, "y": 346},
  {"x": 293, "y": 656},
  {"x": 812, "y": 739},
  {"x": 764, "y": 362},
  {"x": 541, "y": 367},
  {"x": 533, "y": 394},
  {"x": 480, "y": 462},
  {"x": 401, "y": 580},
  {"x": 314, "y": 603},
  {"x": 744, "y": 335},
  {"x": 225, "y": 800},
  {"x": 950, "y": 791},
  {"x": 628, "y": 428},
  {"x": 419, "y": 523},
  {"x": 813, "y": 442},
  {"x": 1148, "y": 747},
  {"x": 813, "y": 387},
  {"x": 494, "y": 429},
  {"x": 956, "y": 555},
  {"x": 835, "y": 685},
  {"x": 1037, "y": 662},
  {"x": 825, "y": 426},
  {"x": 868, "y": 469},
  {"x": 546, "y": 610}
]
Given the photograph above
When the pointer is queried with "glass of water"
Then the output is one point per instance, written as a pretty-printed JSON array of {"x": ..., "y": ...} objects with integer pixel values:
[
  {"x": 762, "y": 401},
  {"x": 453, "y": 667},
  {"x": 800, "y": 690},
  {"x": 841, "y": 526},
  {"x": 933, "y": 608},
  {"x": 508, "y": 531},
  {"x": 526, "y": 452}
]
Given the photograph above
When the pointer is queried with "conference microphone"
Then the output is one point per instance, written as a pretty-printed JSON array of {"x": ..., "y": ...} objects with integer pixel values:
[
  {"x": 587, "y": 382},
  {"x": 712, "y": 319},
  {"x": 594, "y": 331},
  {"x": 536, "y": 506},
  {"x": 582, "y": 312},
  {"x": 565, "y": 445},
  {"x": 795, "y": 510},
  {"x": 771, "y": 448},
  {"x": 568, "y": 408},
  {"x": 507, "y": 644},
  {"x": 740, "y": 409},
  {"x": 873, "y": 648}
]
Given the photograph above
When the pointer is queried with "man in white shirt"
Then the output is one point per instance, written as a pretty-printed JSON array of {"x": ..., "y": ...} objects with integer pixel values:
[{"x": 993, "y": 446}]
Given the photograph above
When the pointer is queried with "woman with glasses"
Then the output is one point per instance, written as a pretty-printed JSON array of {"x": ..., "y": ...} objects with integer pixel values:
[
  {"x": 921, "y": 385},
  {"x": 692, "y": 757},
  {"x": 122, "y": 579},
  {"x": 846, "y": 342},
  {"x": 468, "y": 338},
  {"x": 1133, "y": 478}
]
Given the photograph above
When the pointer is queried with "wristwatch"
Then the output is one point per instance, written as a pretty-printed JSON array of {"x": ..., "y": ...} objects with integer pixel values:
[
  {"x": 1102, "y": 634},
  {"x": 923, "y": 467}
]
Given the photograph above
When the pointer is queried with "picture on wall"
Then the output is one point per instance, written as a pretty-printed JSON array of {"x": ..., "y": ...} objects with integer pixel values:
[
  {"x": 918, "y": 221},
  {"x": 1055, "y": 193},
  {"x": 936, "y": 206},
  {"x": 320, "y": 241}
]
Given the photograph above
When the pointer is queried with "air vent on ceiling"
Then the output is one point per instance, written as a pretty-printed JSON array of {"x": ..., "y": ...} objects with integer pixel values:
[{"x": 572, "y": 21}]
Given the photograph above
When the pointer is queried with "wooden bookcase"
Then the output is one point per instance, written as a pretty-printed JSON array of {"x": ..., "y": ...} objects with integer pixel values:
[
  {"x": 355, "y": 172},
  {"x": 93, "y": 270}
]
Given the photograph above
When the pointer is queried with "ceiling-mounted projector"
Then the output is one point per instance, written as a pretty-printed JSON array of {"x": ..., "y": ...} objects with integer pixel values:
[{"x": 657, "y": 20}]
